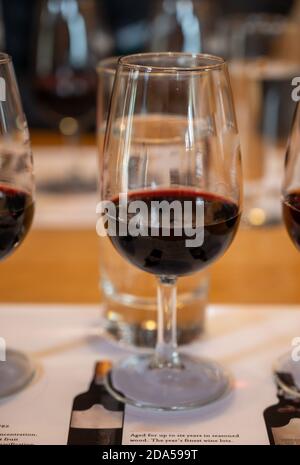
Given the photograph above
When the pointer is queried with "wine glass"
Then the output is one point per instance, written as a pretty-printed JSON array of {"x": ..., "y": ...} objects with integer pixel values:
[
  {"x": 187, "y": 188},
  {"x": 16, "y": 203},
  {"x": 71, "y": 36},
  {"x": 287, "y": 367}
]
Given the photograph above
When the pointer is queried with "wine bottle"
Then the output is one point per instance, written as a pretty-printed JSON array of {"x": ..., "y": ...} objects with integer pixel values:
[
  {"x": 283, "y": 419},
  {"x": 97, "y": 417}
]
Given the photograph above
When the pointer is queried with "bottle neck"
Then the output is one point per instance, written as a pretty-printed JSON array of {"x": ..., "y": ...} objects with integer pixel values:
[
  {"x": 100, "y": 372},
  {"x": 97, "y": 381}
]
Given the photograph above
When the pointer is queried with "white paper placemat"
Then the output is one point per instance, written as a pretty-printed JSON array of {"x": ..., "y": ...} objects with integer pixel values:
[{"x": 65, "y": 342}]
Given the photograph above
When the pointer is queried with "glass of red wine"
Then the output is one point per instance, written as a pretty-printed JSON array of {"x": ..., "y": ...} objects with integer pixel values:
[
  {"x": 287, "y": 367},
  {"x": 16, "y": 203},
  {"x": 71, "y": 36},
  {"x": 171, "y": 197}
]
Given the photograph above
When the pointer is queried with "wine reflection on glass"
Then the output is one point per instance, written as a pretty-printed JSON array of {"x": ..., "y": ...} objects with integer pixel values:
[{"x": 188, "y": 97}]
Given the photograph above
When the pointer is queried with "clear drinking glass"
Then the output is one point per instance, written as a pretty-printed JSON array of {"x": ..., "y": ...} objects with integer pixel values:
[
  {"x": 16, "y": 203},
  {"x": 186, "y": 97},
  {"x": 287, "y": 367},
  {"x": 129, "y": 306}
]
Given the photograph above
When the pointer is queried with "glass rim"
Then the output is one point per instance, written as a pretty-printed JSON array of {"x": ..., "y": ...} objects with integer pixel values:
[
  {"x": 4, "y": 58},
  {"x": 108, "y": 65},
  {"x": 214, "y": 62}
]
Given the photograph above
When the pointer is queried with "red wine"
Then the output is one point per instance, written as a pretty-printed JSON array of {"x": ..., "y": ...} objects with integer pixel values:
[
  {"x": 16, "y": 213},
  {"x": 170, "y": 255},
  {"x": 291, "y": 216}
]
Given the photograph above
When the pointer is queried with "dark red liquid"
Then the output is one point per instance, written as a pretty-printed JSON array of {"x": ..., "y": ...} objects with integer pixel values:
[
  {"x": 170, "y": 256},
  {"x": 16, "y": 213},
  {"x": 291, "y": 216}
]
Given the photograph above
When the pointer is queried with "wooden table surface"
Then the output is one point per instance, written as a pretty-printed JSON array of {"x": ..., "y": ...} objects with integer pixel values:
[{"x": 262, "y": 266}]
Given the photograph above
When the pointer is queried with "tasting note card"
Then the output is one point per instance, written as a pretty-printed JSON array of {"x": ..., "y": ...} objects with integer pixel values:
[{"x": 66, "y": 341}]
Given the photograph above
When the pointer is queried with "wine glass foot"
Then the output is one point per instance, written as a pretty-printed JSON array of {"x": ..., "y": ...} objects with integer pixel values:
[
  {"x": 287, "y": 375},
  {"x": 198, "y": 383},
  {"x": 16, "y": 372}
]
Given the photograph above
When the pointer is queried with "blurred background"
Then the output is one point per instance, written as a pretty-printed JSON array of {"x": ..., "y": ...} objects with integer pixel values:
[{"x": 56, "y": 45}]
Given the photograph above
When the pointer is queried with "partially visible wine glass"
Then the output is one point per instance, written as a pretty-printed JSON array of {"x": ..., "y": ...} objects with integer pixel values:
[
  {"x": 170, "y": 172},
  {"x": 16, "y": 203},
  {"x": 70, "y": 39},
  {"x": 287, "y": 367}
]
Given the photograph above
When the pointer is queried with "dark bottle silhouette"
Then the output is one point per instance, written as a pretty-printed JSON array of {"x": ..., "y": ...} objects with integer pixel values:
[
  {"x": 283, "y": 419},
  {"x": 97, "y": 417}
]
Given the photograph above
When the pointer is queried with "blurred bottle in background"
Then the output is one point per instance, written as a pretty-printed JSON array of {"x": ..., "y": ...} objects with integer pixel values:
[
  {"x": 264, "y": 57},
  {"x": 129, "y": 294}
]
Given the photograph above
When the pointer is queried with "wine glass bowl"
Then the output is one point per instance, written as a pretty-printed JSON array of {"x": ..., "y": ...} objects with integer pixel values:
[{"x": 171, "y": 182}]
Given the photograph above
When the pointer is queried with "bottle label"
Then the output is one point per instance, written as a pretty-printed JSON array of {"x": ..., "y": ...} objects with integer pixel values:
[
  {"x": 97, "y": 417},
  {"x": 289, "y": 434}
]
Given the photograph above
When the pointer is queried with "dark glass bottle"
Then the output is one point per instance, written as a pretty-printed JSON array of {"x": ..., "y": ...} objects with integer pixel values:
[
  {"x": 97, "y": 417},
  {"x": 283, "y": 419}
]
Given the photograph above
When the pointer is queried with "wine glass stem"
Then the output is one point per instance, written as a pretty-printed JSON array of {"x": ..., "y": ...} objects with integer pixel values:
[{"x": 166, "y": 354}]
